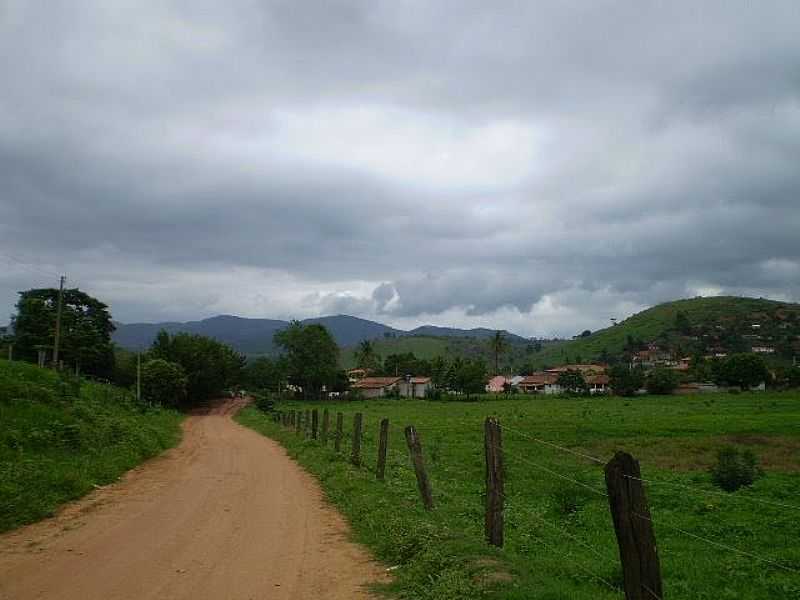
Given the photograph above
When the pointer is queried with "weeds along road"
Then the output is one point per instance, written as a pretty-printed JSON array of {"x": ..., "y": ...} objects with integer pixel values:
[{"x": 225, "y": 516}]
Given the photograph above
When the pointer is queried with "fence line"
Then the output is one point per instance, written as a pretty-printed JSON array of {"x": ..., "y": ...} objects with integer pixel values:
[
  {"x": 564, "y": 449},
  {"x": 719, "y": 544},
  {"x": 714, "y": 492}
]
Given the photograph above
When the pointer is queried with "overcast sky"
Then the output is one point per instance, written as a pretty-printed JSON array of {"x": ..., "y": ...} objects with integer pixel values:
[{"x": 534, "y": 166}]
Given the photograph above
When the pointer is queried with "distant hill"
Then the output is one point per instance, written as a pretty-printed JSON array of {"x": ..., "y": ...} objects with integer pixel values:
[
  {"x": 254, "y": 336},
  {"x": 480, "y": 332},
  {"x": 724, "y": 322}
]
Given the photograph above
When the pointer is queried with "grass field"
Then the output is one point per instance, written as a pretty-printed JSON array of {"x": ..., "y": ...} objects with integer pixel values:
[
  {"x": 560, "y": 543},
  {"x": 57, "y": 442}
]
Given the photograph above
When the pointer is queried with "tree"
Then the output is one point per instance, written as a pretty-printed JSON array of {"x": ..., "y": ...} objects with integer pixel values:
[
  {"x": 682, "y": 323},
  {"x": 743, "y": 370},
  {"x": 467, "y": 376},
  {"x": 787, "y": 377},
  {"x": 266, "y": 373},
  {"x": 626, "y": 381},
  {"x": 86, "y": 329},
  {"x": 210, "y": 366},
  {"x": 311, "y": 356},
  {"x": 366, "y": 357},
  {"x": 573, "y": 382},
  {"x": 498, "y": 345},
  {"x": 661, "y": 381},
  {"x": 163, "y": 383}
]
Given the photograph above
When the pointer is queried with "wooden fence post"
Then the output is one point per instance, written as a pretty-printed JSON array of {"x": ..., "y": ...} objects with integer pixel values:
[
  {"x": 314, "y": 424},
  {"x": 298, "y": 422},
  {"x": 383, "y": 445},
  {"x": 358, "y": 423},
  {"x": 415, "y": 448},
  {"x": 307, "y": 422},
  {"x": 638, "y": 553},
  {"x": 493, "y": 449},
  {"x": 337, "y": 443},
  {"x": 326, "y": 424}
]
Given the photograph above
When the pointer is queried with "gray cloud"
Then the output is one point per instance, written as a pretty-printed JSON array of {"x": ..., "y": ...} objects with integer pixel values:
[{"x": 538, "y": 167}]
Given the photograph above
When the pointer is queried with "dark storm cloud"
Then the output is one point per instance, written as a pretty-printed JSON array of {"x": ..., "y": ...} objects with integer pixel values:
[{"x": 536, "y": 166}]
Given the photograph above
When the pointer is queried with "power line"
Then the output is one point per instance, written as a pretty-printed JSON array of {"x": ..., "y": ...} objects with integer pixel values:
[{"x": 28, "y": 265}]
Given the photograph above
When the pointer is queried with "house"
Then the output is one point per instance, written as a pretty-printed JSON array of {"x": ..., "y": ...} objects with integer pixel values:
[
  {"x": 376, "y": 387},
  {"x": 583, "y": 368},
  {"x": 540, "y": 383},
  {"x": 497, "y": 384},
  {"x": 764, "y": 349},
  {"x": 598, "y": 384},
  {"x": 415, "y": 387}
]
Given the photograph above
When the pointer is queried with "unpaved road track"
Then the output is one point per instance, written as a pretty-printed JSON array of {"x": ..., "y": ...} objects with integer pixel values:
[{"x": 225, "y": 516}]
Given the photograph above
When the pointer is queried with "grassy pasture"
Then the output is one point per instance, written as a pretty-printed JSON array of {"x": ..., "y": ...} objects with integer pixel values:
[
  {"x": 560, "y": 543},
  {"x": 57, "y": 440}
]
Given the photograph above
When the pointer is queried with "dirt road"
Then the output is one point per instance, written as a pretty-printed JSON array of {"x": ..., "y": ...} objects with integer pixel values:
[{"x": 225, "y": 516}]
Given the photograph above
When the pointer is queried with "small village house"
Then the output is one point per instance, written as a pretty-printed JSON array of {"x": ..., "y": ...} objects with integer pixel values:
[
  {"x": 540, "y": 383},
  {"x": 415, "y": 387},
  {"x": 376, "y": 387},
  {"x": 497, "y": 384}
]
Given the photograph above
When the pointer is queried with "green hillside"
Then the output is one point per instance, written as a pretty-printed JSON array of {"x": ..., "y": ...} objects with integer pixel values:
[
  {"x": 59, "y": 437},
  {"x": 421, "y": 346},
  {"x": 717, "y": 320}
]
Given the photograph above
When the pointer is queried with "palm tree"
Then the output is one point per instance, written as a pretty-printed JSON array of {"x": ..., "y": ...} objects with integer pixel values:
[
  {"x": 498, "y": 344},
  {"x": 365, "y": 355}
]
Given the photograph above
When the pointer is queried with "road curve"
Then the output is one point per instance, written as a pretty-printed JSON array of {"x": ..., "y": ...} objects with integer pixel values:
[{"x": 225, "y": 516}]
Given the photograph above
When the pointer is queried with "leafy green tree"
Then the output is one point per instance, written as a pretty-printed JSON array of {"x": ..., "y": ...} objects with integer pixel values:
[
  {"x": 498, "y": 344},
  {"x": 311, "y": 356},
  {"x": 682, "y": 323},
  {"x": 210, "y": 366},
  {"x": 661, "y": 381},
  {"x": 787, "y": 377},
  {"x": 367, "y": 358},
  {"x": 743, "y": 370},
  {"x": 265, "y": 373},
  {"x": 86, "y": 329},
  {"x": 163, "y": 383},
  {"x": 404, "y": 364},
  {"x": 573, "y": 382},
  {"x": 467, "y": 377},
  {"x": 626, "y": 381},
  {"x": 438, "y": 372}
]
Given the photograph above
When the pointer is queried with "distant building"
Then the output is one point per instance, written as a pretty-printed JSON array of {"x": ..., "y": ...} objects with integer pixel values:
[
  {"x": 415, "y": 387},
  {"x": 540, "y": 383},
  {"x": 376, "y": 387},
  {"x": 598, "y": 384},
  {"x": 497, "y": 384},
  {"x": 764, "y": 349}
]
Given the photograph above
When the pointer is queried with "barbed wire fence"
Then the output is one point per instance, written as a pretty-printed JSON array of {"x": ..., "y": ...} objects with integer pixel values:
[{"x": 634, "y": 527}]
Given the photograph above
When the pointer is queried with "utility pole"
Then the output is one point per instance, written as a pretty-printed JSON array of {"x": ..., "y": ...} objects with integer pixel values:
[
  {"x": 139, "y": 378},
  {"x": 58, "y": 320}
]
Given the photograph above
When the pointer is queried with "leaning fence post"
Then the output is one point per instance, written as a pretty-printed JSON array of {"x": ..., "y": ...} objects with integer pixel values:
[
  {"x": 326, "y": 424},
  {"x": 415, "y": 448},
  {"x": 337, "y": 443},
  {"x": 358, "y": 422},
  {"x": 493, "y": 449},
  {"x": 383, "y": 445},
  {"x": 314, "y": 423},
  {"x": 638, "y": 553}
]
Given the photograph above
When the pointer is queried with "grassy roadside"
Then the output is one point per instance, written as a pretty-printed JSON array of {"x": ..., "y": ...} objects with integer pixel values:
[
  {"x": 58, "y": 440},
  {"x": 559, "y": 539}
]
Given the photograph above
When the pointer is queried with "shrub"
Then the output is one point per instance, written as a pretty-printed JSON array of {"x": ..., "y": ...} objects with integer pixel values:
[
  {"x": 735, "y": 469},
  {"x": 661, "y": 381},
  {"x": 163, "y": 383},
  {"x": 264, "y": 402}
]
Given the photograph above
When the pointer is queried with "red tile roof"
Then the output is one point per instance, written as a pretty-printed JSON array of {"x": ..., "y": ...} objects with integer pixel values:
[{"x": 375, "y": 383}]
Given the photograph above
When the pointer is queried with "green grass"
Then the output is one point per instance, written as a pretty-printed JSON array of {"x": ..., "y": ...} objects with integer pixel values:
[
  {"x": 441, "y": 554},
  {"x": 58, "y": 441}
]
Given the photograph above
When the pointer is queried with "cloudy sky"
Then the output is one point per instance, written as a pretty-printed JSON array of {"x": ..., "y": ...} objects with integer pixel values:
[{"x": 535, "y": 166}]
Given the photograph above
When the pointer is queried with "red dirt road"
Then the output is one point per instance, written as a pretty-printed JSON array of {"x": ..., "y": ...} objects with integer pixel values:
[{"x": 225, "y": 516}]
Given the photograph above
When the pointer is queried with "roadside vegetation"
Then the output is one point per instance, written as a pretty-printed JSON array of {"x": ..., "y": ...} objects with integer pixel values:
[
  {"x": 60, "y": 436},
  {"x": 560, "y": 543}
]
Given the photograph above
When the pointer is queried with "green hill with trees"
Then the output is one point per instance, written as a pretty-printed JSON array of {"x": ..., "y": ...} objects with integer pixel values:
[{"x": 697, "y": 325}]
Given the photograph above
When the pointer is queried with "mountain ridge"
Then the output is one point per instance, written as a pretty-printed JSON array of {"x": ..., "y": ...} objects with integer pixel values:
[{"x": 254, "y": 335}]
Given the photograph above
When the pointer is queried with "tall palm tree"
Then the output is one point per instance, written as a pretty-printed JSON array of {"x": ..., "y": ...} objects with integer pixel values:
[{"x": 498, "y": 344}]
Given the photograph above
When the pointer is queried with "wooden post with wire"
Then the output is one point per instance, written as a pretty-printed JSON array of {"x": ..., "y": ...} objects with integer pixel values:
[
  {"x": 326, "y": 425},
  {"x": 638, "y": 553},
  {"x": 307, "y": 422},
  {"x": 314, "y": 424},
  {"x": 337, "y": 442},
  {"x": 423, "y": 483},
  {"x": 298, "y": 421},
  {"x": 358, "y": 425},
  {"x": 493, "y": 450},
  {"x": 383, "y": 446}
]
